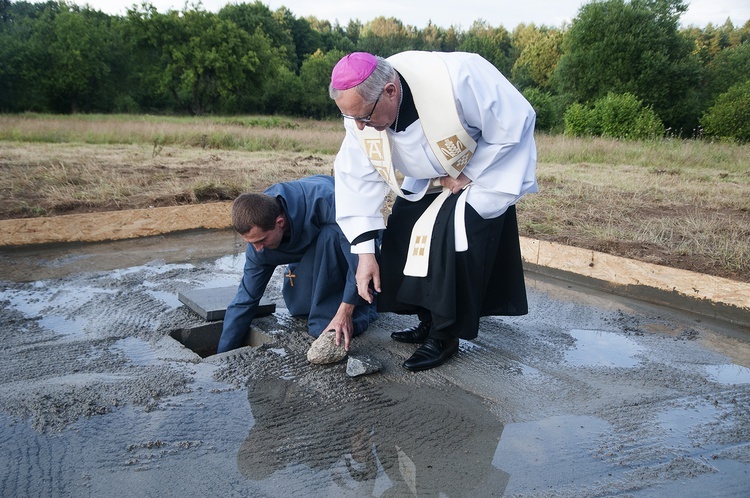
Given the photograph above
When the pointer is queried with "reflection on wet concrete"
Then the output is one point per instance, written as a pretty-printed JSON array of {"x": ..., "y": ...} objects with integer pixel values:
[
  {"x": 596, "y": 348},
  {"x": 45, "y": 261},
  {"x": 400, "y": 440},
  {"x": 729, "y": 374},
  {"x": 677, "y": 423}
]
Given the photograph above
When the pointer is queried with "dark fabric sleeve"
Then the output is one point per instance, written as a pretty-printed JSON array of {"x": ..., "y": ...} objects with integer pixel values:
[
  {"x": 351, "y": 296},
  {"x": 241, "y": 311},
  {"x": 372, "y": 234}
]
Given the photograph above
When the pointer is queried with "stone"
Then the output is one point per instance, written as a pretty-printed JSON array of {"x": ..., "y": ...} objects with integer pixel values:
[
  {"x": 362, "y": 365},
  {"x": 324, "y": 349}
]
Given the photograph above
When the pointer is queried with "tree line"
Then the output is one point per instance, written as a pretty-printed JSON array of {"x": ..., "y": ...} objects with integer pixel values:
[{"x": 616, "y": 62}]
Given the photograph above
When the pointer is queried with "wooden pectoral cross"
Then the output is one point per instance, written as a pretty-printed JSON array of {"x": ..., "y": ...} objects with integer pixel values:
[{"x": 291, "y": 276}]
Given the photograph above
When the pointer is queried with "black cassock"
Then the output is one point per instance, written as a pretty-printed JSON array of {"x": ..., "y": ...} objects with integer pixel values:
[{"x": 460, "y": 287}]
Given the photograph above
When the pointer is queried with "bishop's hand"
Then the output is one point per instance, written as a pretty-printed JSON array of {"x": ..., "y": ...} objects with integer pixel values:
[{"x": 368, "y": 277}]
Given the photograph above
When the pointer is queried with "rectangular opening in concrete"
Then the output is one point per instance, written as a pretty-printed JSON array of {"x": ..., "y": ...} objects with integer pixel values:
[{"x": 204, "y": 339}]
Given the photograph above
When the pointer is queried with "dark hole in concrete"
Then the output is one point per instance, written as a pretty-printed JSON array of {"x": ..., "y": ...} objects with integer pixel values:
[{"x": 204, "y": 339}]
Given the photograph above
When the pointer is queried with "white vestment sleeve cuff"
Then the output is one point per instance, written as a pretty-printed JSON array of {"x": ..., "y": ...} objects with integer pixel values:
[{"x": 366, "y": 247}]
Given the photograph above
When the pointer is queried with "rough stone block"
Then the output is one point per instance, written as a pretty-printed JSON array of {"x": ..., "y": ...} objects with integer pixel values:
[
  {"x": 362, "y": 365},
  {"x": 324, "y": 349}
]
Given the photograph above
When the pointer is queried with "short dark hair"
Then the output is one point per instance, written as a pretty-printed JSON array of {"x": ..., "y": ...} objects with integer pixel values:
[{"x": 255, "y": 210}]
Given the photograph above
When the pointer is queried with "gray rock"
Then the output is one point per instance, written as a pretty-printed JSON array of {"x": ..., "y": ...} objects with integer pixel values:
[
  {"x": 362, "y": 365},
  {"x": 324, "y": 349}
]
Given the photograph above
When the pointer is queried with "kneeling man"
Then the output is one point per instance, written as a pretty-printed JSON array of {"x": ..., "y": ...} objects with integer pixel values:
[{"x": 294, "y": 223}]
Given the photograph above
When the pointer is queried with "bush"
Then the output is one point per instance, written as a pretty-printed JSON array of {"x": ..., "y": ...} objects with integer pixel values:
[
  {"x": 621, "y": 116},
  {"x": 125, "y": 104},
  {"x": 729, "y": 118},
  {"x": 624, "y": 116},
  {"x": 547, "y": 106},
  {"x": 579, "y": 121}
]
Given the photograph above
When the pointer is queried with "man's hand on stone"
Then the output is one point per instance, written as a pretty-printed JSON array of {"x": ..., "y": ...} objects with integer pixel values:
[{"x": 342, "y": 324}]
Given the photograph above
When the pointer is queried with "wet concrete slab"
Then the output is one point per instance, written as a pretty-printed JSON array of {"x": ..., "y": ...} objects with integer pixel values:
[{"x": 590, "y": 394}]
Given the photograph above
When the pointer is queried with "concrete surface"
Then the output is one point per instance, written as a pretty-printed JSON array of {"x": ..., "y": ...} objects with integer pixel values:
[{"x": 591, "y": 394}]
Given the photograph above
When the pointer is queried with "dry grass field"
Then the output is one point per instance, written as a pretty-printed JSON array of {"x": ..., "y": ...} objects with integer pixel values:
[{"x": 684, "y": 204}]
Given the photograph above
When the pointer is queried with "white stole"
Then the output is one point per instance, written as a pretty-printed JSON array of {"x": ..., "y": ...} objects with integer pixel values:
[
  {"x": 430, "y": 82},
  {"x": 432, "y": 90},
  {"x": 418, "y": 257}
]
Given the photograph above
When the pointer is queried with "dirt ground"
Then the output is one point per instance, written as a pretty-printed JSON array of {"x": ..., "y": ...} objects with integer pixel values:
[
  {"x": 588, "y": 395},
  {"x": 58, "y": 179}
]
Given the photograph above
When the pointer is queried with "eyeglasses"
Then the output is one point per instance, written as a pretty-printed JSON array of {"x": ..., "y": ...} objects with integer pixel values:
[{"x": 367, "y": 118}]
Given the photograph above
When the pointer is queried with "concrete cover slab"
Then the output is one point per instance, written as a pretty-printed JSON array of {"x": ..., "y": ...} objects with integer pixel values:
[{"x": 211, "y": 303}]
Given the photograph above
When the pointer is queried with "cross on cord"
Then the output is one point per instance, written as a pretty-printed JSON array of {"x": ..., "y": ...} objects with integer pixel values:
[{"x": 291, "y": 276}]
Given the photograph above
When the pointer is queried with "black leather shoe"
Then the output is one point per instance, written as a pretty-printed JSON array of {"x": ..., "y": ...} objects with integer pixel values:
[
  {"x": 432, "y": 353},
  {"x": 413, "y": 335}
]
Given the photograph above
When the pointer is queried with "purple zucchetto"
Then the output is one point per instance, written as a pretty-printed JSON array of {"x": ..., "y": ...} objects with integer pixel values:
[{"x": 352, "y": 70}]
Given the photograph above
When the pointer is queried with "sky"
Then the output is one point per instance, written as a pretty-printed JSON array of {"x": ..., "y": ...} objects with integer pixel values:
[{"x": 419, "y": 13}]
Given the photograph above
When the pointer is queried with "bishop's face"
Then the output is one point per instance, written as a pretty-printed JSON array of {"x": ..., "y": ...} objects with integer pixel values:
[{"x": 379, "y": 114}]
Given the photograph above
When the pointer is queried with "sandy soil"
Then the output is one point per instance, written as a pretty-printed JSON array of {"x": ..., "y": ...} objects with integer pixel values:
[{"x": 588, "y": 395}]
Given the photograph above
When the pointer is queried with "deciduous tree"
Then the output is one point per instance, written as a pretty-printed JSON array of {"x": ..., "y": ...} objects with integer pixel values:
[
  {"x": 491, "y": 43},
  {"x": 538, "y": 58},
  {"x": 77, "y": 48},
  {"x": 209, "y": 63},
  {"x": 634, "y": 47}
]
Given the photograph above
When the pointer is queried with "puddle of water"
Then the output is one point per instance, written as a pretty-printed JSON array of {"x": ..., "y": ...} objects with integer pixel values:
[
  {"x": 28, "y": 303},
  {"x": 677, "y": 423},
  {"x": 542, "y": 454},
  {"x": 152, "y": 269},
  {"x": 729, "y": 374},
  {"x": 596, "y": 348},
  {"x": 137, "y": 351},
  {"x": 33, "y": 303},
  {"x": 169, "y": 298},
  {"x": 64, "y": 326},
  {"x": 530, "y": 371},
  {"x": 231, "y": 262}
]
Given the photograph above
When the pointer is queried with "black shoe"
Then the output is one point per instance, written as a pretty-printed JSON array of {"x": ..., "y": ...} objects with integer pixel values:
[
  {"x": 432, "y": 353},
  {"x": 413, "y": 335}
]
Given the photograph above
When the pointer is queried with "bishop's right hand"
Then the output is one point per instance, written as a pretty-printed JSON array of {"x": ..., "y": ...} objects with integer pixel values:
[{"x": 368, "y": 277}]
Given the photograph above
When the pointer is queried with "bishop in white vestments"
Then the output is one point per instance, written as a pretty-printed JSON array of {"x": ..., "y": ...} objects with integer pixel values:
[{"x": 462, "y": 138}]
